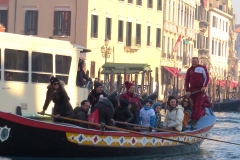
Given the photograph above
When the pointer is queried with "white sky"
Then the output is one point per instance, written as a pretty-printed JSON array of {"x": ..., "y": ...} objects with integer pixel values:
[{"x": 236, "y": 9}]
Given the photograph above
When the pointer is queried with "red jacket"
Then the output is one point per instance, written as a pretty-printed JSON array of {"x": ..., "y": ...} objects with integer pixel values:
[
  {"x": 197, "y": 77},
  {"x": 131, "y": 98}
]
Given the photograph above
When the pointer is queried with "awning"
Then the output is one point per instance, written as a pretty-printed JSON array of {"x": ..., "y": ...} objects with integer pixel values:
[
  {"x": 186, "y": 42},
  {"x": 119, "y": 68},
  {"x": 173, "y": 71},
  {"x": 81, "y": 47}
]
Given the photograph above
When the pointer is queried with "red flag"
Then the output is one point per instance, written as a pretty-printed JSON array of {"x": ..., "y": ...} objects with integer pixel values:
[
  {"x": 177, "y": 43},
  {"x": 93, "y": 117}
]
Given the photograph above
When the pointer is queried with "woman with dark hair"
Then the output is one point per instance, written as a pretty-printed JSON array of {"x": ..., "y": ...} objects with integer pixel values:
[
  {"x": 187, "y": 104},
  {"x": 81, "y": 74},
  {"x": 59, "y": 96},
  {"x": 174, "y": 116}
]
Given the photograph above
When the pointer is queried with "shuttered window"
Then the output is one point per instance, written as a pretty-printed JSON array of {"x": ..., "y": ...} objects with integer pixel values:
[
  {"x": 62, "y": 23},
  {"x": 108, "y": 28},
  {"x": 31, "y": 23},
  {"x": 94, "y": 26}
]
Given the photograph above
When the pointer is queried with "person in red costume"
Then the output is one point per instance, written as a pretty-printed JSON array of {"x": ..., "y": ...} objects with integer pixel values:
[
  {"x": 206, "y": 104},
  {"x": 129, "y": 95},
  {"x": 196, "y": 79}
]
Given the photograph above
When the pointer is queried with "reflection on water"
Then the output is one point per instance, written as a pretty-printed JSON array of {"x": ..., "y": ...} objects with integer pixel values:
[{"x": 227, "y": 128}]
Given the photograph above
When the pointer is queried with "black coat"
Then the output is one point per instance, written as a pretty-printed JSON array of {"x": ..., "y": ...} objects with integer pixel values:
[
  {"x": 105, "y": 110},
  {"x": 123, "y": 114},
  {"x": 80, "y": 76},
  {"x": 135, "y": 117},
  {"x": 80, "y": 114},
  {"x": 93, "y": 97}
]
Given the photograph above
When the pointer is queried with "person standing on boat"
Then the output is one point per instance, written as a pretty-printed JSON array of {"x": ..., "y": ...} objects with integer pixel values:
[
  {"x": 94, "y": 95},
  {"x": 130, "y": 95},
  {"x": 81, "y": 75},
  {"x": 59, "y": 96},
  {"x": 174, "y": 116},
  {"x": 197, "y": 77}
]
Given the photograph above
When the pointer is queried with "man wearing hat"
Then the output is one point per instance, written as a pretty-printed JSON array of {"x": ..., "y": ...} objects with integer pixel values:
[{"x": 94, "y": 95}]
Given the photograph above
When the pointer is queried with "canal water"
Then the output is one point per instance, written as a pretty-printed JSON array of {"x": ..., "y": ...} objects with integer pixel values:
[{"x": 227, "y": 128}]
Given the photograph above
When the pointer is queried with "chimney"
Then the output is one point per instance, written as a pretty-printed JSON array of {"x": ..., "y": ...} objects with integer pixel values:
[
  {"x": 224, "y": 7},
  {"x": 2, "y": 28},
  {"x": 217, "y": 4}
]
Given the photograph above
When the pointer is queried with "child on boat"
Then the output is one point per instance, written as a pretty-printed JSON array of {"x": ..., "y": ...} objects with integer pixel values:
[
  {"x": 174, "y": 116},
  {"x": 147, "y": 115},
  {"x": 157, "y": 109},
  {"x": 187, "y": 105}
]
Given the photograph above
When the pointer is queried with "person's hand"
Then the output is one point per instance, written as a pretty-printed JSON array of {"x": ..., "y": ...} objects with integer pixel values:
[
  {"x": 57, "y": 115},
  {"x": 203, "y": 89},
  {"x": 42, "y": 112},
  {"x": 188, "y": 94}
]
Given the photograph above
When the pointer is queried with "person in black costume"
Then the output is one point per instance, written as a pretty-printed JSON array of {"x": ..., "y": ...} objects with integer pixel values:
[
  {"x": 94, "y": 95},
  {"x": 81, "y": 75},
  {"x": 105, "y": 107},
  {"x": 81, "y": 113},
  {"x": 59, "y": 96},
  {"x": 123, "y": 114}
]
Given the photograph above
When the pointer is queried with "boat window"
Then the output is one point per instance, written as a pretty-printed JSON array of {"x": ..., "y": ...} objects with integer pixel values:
[
  {"x": 42, "y": 67},
  {"x": 16, "y": 65},
  {"x": 63, "y": 64}
]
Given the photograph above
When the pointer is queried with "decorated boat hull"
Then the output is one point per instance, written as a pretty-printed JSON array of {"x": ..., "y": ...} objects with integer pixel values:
[{"x": 25, "y": 137}]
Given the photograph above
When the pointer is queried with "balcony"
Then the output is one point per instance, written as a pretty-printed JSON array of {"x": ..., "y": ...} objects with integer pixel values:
[
  {"x": 172, "y": 28},
  {"x": 203, "y": 51},
  {"x": 203, "y": 25},
  {"x": 190, "y": 34},
  {"x": 132, "y": 45},
  {"x": 181, "y": 30}
]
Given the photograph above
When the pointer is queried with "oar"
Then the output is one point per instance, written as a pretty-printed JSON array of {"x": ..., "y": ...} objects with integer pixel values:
[
  {"x": 116, "y": 128},
  {"x": 185, "y": 95},
  {"x": 181, "y": 133}
]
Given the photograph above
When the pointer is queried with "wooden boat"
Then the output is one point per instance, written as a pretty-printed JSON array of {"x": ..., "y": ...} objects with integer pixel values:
[
  {"x": 21, "y": 136},
  {"x": 228, "y": 106}
]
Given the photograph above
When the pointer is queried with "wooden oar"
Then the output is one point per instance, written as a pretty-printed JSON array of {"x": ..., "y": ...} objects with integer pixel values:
[
  {"x": 181, "y": 133},
  {"x": 116, "y": 128},
  {"x": 185, "y": 95}
]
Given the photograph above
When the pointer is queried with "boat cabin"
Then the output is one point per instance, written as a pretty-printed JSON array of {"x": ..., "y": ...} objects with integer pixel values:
[{"x": 26, "y": 64}]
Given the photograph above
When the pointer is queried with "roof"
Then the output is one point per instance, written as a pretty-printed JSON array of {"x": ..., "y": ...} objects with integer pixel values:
[
  {"x": 81, "y": 47},
  {"x": 118, "y": 68}
]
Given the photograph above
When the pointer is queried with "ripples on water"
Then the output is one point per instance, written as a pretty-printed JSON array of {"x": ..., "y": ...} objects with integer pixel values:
[{"x": 226, "y": 128}]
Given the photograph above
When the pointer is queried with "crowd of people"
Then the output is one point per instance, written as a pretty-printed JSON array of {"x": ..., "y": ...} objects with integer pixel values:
[{"x": 128, "y": 109}]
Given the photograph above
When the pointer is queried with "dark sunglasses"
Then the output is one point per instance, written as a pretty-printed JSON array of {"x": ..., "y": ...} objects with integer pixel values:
[
  {"x": 185, "y": 101},
  {"x": 55, "y": 83}
]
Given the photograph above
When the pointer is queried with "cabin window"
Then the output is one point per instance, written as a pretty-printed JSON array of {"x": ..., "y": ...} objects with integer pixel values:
[
  {"x": 63, "y": 64},
  {"x": 16, "y": 65},
  {"x": 42, "y": 67}
]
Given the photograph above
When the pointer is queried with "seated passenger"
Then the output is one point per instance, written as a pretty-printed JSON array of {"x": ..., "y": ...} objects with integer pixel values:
[
  {"x": 147, "y": 115},
  {"x": 157, "y": 109},
  {"x": 134, "y": 108},
  {"x": 59, "y": 96},
  {"x": 81, "y": 113},
  {"x": 187, "y": 105},
  {"x": 174, "y": 116},
  {"x": 123, "y": 114}
]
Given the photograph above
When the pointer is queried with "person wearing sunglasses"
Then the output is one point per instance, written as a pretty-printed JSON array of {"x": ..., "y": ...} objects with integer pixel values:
[
  {"x": 187, "y": 105},
  {"x": 59, "y": 96}
]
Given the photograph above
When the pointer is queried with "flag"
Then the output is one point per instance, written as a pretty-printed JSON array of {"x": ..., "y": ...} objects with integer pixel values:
[
  {"x": 177, "y": 43},
  {"x": 94, "y": 118}
]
